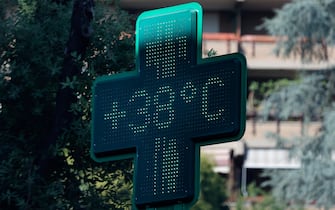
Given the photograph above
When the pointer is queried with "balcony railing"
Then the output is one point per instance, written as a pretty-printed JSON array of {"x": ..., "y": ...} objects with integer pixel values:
[{"x": 259, "y": 50}]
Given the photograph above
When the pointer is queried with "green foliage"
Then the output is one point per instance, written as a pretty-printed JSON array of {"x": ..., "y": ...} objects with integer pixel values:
[
  {"x": 314, "y": 181},
  {"x": 262, "y": 90},
  {"x": 113, "y": 43},
  {"x": 307, "y": 25},
  {"x": 305, "y": 28},
  {"x": 291, "y": 100},
  {"x": 212, "y": 188},
  {"x": 32, "y": 41},
  {"x": 268, "y": 201},
  {"x": 265, "y": 202},
  {"x": 211, "y": 53},
  {"x": 27, "y": 7}
]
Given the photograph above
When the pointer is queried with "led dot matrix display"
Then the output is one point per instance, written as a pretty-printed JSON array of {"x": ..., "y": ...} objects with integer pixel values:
[{"x": 174, "y": 102}]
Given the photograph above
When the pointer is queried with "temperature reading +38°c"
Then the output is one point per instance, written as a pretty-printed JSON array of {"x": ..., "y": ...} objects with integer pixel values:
[{"x": 162, "y": 104}]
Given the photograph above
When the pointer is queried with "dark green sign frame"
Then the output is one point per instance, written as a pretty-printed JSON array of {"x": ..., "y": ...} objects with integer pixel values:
[{"x": 173, "y": 103}]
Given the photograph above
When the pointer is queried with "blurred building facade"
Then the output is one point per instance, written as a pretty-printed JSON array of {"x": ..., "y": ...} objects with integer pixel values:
[{"x": 234, "y": 26}]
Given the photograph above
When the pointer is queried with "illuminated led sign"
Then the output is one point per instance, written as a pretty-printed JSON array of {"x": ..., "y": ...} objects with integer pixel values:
[{"x": 174, "y": 102}]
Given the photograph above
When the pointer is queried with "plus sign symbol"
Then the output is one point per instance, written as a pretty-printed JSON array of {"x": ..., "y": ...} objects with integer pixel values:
[{"x": 171, "y": 104}]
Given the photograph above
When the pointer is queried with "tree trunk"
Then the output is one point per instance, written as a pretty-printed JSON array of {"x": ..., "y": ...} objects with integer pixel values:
[{"x": 81, "y": 30}]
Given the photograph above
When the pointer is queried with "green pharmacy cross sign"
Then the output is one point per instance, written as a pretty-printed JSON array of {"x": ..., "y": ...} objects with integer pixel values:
[{"x": 171, "y": 105}]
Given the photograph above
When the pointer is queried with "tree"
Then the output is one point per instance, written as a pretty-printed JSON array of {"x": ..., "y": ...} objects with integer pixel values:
[
  {"x": 305, "y": 29},
  {"x": 265, "y": 202},
  {"x": 43, "y": 167},
  {"x": 307, "y": 33},
  {"x": 213, "y": 188}
]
